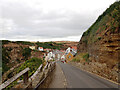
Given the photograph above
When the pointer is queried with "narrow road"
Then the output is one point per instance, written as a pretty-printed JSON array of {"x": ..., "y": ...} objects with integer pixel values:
[{"x": 77, "y": 78}]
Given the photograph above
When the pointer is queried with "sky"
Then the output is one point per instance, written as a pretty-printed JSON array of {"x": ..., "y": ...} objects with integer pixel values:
[{"x": 48, "y": 20}]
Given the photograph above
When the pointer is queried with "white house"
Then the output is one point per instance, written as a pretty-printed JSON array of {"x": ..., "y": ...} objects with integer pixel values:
[
  {"x": 68, "y": 50},
  {"x": 50, "y": 56},
  {"x": 40, "y": 48},
  {"x": 72, "y": 49},
  {"x": 63, "y": 57},
  {"x": 59, "y": 56},
  {"x": 53, "y": 56},
  {"x": 32, "y": 47}
]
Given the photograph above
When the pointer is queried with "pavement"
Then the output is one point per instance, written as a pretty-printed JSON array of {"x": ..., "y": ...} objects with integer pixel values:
[
  {"x": 58, "y": 78},
  {"x": 77, "y": 78}
]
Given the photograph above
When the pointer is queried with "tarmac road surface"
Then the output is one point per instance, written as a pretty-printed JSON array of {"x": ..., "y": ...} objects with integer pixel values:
[{"x": 77, "y": 78}]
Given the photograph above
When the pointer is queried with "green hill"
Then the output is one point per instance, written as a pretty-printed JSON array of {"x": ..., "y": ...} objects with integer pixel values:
[
  {"x": 110, "y": 19},
  {"x": 101, "y": 43}
]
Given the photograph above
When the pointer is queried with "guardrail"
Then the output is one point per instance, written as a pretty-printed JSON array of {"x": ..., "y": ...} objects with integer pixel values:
[{"x": 26, "y": 79}]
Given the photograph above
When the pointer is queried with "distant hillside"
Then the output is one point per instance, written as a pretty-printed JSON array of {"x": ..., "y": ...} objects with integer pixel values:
[
  {"x": 67, "y": 43},
  {"x": 100, "y": 41},
  {"x": 50, "y": 45},
  {"x": 16, "y": 52}
]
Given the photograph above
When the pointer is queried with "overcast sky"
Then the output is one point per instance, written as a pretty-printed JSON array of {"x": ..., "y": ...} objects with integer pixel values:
[{"x": 48, "y": 20}]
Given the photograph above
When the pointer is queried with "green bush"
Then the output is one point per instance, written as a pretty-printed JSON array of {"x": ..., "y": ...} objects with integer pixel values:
[
  {"x": 86, "y": 57},
  {"x": 4, "y": 68},
  {"x": 18, "y": 60},
  {"x": 78, "y": 57},
  {"x": 99, "y": 38},
  {"x": 85, "y": 41},
  {"x": 5, "y": 60},
  {"x": 32, "y": 63},
  {"x": 113, "y": 29},
  {"x": 76, "y": 60},
  {"x": 10, "y": 75},
  {"x": 87, "y": 32},
  {"x": 26, "y": 52}
]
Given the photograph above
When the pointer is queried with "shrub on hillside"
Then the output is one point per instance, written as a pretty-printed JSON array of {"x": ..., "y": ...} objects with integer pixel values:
[
  {"x": 5, "y": 60},
  {"x": 26, "y": 52},
  {"x": 5, "y": 41},
  {"x": 24, "y": 42},
  {"x": 50, "y": 45},
  {"x": 32, "y": 63},
  {"x": 86, "y": 57},
  {"x": 78, "y": 57},
  {"x": 99, "y": 38}
]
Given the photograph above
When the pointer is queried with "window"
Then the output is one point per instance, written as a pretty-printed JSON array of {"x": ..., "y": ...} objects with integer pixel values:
[{"x": 69, "y": 56}]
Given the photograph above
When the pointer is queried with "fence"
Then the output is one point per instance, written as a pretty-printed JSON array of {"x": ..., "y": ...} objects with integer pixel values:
[{"x": 50, "y": 66}]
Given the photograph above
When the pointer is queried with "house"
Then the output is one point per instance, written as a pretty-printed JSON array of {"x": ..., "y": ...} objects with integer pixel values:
[
  {"x": 50, "y": 55},
  {"x": 63, "y": 57},
  {"x": 32, "y": 47},
  {"x": 58, "y": 54},
  {"x": 74, "y": 48},
  {"x": 40, "y": 48},
  {"x": 70, "y": 53},
  {"x": 68, "y": 50},
  {"x": 69, "y": 57},
  {"x": 63, "y": 51},
  {"x": 47, "y": 50}
]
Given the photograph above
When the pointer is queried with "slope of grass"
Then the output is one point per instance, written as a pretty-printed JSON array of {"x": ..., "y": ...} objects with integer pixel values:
[{"x": 109, "y": 19}]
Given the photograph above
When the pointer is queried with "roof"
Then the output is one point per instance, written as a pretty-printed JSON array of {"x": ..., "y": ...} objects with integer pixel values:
[
  {"x": 62, "y": 50},
  {"x": 31, "y": 46},
  {"x": 47, "y": 49},
  {"x": 73, "y": 52},
  {"x": 74, "y": 47},
  {"x": 41, "y": 47}
]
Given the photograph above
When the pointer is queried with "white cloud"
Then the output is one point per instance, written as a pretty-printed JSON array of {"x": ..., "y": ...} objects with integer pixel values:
[{"x": 48, "y": 19}]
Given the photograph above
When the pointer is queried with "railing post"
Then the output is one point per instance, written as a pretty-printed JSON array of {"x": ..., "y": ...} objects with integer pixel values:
[{"x": 25, "y": 78}]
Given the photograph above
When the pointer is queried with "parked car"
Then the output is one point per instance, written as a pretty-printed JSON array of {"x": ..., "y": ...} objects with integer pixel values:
[{"x": 62, "y": 61}]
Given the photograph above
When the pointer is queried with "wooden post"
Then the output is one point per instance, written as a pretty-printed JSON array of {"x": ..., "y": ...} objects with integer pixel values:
[{"x": 25, "y": 78}]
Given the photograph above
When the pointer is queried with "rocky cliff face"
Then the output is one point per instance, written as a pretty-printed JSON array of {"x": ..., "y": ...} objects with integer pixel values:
[{"x": 101, "y": 40}]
